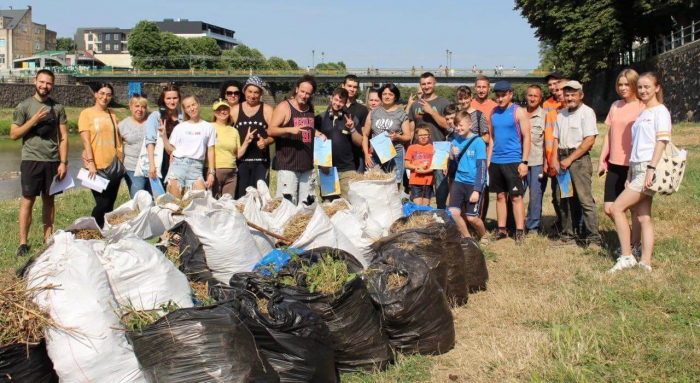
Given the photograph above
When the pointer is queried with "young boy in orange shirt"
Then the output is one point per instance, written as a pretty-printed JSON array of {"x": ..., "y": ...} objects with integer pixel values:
[{"x": 418, "y": 159}]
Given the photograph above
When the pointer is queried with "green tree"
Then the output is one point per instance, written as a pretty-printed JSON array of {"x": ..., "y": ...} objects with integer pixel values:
[
  {"x": 65, "y": 44},
  {"x": 277, "y": 63},
  {"x": 231, "y": 59},
  {"x": 203, "y": 52},
  {"x": 145, "y": 44},
  {"x": 172, "y": 53},
  {"x": 293, "y": 64}
]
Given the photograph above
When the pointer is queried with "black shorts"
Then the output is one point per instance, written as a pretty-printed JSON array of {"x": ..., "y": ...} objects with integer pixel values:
[
  {"x": 615, "y": 182},
  {"x": 459, "y": 196},
  {"x": 421, "y": 191},
  {"x": 504, "y": 178},
  {"x": 37, "y": 177}
]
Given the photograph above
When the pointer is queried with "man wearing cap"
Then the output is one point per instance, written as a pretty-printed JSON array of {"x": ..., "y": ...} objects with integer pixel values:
[
  {"x": 552, "y": 106},
  {"x": 574, "y": 136},
  {"x": 252, "y": 114},
  {"x": 508, "y": 159},
  {"x": 339, "y": 126}
]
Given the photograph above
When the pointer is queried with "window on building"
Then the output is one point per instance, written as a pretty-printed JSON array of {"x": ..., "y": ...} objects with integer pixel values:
[
  {"x": 24, "y": 27},
  {"x": 36, "y": 30},
  {"x": 2, "y": 59},
  {"x": 117, "y": 36},
  {"x": 116, "y": 47},
  {"x": 108, "y": 36},
  {"x": 108, "y": 47},
  {"x": 37, "y": 45},
  {"x": 124, "y": 48},
  {"x": 2, "y": 42},
  {"x": 89, "y": 37}
]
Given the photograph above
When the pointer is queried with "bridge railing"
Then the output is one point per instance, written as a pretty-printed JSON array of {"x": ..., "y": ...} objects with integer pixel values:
[{"x": 662, "y": 44}]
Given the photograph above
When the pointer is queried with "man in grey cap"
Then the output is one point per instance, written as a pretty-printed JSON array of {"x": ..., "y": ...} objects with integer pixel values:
[{"x": 574, "y": 136}]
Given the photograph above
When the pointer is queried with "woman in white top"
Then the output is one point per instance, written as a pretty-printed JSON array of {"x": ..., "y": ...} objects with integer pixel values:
[
  {"x": 650, "y": 134},
  {"x": 189, "y": 144}
]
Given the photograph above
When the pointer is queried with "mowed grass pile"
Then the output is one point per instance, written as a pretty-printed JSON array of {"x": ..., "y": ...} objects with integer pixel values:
[{"x": 549, "y": 314}]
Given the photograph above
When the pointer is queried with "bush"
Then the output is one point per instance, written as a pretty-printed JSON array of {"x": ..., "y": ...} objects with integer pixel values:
[{"x": 5, "y": 126}]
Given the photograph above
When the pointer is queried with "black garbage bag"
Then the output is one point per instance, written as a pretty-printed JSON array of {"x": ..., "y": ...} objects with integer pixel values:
[
  {"x": 293, "y": 338},
  {"x": 447, "y": 234},
  {"x": 200, "y": 344},
  {"x": 415, "y": 312},
  {"x": 22, "y": 363},
  {"x": 476, "y": 271},
  {"x": 193, "y": 262},
  {"x": 357, "y": 337}
]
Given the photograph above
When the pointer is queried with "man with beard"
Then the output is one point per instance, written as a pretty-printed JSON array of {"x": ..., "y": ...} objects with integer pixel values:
[
  {"x": 292, "y": 125},
  {"x": 357, "y": 110},
  {"x": 429, "y": 110},
  {"x": 341, "y": 128},
  {"x": 41, "y": 124}
]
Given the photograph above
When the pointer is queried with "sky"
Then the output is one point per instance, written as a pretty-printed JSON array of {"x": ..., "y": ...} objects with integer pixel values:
[{"x": 361, "y": 33}]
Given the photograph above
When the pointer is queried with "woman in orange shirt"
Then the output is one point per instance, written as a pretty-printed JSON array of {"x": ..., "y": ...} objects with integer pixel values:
[
  {"x": 98, "y": 130},
  {"x": 617, "y": 145}
]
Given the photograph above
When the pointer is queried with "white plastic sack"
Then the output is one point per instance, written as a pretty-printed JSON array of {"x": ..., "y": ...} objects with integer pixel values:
[
  {"x": 94, "y": 349},
  {"x": 382, "y": 199},
  {"x": 264, "y": 192},
  {"x": 202, "y": 201},
  {"x": 228, "y": 246},
  {"x": 347, "y": 223},
  {"x": 145, "y": 225},
  {"x": 254, "y": 215},
  {"x": 280, "y": 216},
  {"x": 142, "y": 277},
  {"x": 85, "y": 223},
  {"x": 320, "y": 232}
]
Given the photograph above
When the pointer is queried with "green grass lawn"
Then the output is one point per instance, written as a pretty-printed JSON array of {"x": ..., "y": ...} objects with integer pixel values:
[{"x": 549, "y": 314}]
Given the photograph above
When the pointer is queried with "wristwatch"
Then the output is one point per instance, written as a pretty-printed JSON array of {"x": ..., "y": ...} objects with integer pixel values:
[
  {"x": 523, "y": 162},
  {"x": 65, "y": 162},
  {"x": 651, "y": 167},
  {"x": 212, "y": 171}
]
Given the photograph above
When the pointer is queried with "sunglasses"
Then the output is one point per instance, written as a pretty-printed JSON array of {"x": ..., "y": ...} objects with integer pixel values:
[
  {"x": 236, "y": 93},
  {"x": 139, "y": 95}
]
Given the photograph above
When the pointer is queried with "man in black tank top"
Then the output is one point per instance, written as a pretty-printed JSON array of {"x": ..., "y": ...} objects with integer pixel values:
[
  {"x": 292, "y": 126},
  {"x": 252, "y": 114}
]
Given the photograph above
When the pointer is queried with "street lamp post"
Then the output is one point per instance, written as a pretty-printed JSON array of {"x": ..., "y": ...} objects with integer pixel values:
[
  {"x": 447, "y": 57},
  {"x": 322, "y": 56},
  {"x": 313, "y": 59}
]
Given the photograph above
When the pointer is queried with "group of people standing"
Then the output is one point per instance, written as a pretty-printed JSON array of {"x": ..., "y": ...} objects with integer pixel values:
[{"x": 497, "y": 147}]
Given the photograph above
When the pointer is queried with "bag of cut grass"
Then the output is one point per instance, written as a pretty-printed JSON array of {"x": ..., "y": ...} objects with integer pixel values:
[
  {"x": 277, "y": 212},
  {"x": 142, "y": 277},
  {"x": 254, "y": 215},
  {"x": 477, "y": 274},
  {"x": 379, "y": 192},
  {"x": 440, "y": 225},
  {"x": 327, "y": 281},
  {"x": 226, "y": 241},
  {"x": 94, "y": 349},
  {"x": 23, "y": 356},
  {"x": 293, "y": 337},
  {"x": 415, "y": 312},
  {"x": 200, "y": 345},
  {"x": 351, "y": 226},
  {"x": 184, "y": 249},
  {"x": 312, "y": 230},
  {"x": 85, "y": 228},
  {"x": 132, "y": 216}
]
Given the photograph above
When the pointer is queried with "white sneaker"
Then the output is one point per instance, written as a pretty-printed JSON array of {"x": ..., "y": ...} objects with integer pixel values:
[
  {"x": 623, "y": 263},
  {"x": 644, "y": 266}
]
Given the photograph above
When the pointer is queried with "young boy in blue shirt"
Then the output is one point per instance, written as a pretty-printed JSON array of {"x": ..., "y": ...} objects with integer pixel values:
[{"x": 469, "y": 152}]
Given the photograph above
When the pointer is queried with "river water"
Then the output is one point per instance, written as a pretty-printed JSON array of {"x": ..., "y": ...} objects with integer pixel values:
[{"x": 11, "y": 157}]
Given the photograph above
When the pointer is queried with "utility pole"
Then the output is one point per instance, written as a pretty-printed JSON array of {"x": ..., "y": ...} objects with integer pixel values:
[
  {"x": 322, "y": 56},
  {"x": 313, "y": 59}
]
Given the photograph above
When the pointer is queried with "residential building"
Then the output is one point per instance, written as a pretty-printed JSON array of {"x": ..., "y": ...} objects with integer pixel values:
[
  {"x": 109, "y": 46},
  {"x": 185, "y": 28},
  {"x": 21, "y": 37}
]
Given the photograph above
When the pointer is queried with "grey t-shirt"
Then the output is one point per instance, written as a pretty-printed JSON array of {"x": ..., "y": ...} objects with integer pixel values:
[
  {"x": 41, "y": 141},
  {"x": 537, "y": 137},
  {"x": 385, "y": 121},
  {"x": 417, "y": 115},
  {"x": 132, "y": 135}
]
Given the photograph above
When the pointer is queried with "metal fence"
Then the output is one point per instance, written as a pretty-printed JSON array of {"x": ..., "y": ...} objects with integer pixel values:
[{"x": 663, "y": 44}]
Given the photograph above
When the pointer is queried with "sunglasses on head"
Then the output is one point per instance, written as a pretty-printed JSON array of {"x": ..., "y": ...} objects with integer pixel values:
[
  {"x": 139, "y": 95},
  {"x": 232, "y": 93}
]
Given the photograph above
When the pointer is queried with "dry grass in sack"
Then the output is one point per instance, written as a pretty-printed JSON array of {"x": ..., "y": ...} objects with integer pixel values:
[
  {"x": 87, "y": 234},
  {"x": 124, "y": 217},
  {"x": 201, "y": 293},
  {"x": 21, "y": 320},
  {"x": 136, "y": 320},
  {"x": 332, "y": 208},
  {"x": 181, "y": 203},
  {"x": 374, "y": 174},
  {"x": 173, "y": 254},
  {"x": 272, "y": 205},
  {"x": 240, "y": 208},
  {"x": 395, "y": 281},
  {"x": 262, "y": 305},
  {"x": 413, "y": 222},
  {"x": 296, "y": 226}
]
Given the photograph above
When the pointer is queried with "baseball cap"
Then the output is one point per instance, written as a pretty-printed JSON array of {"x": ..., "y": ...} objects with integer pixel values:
[
  {"x": 553, "y": 75},
  {"x": 502, "y": 86},
  {"x": 219, "y": 104},
  {"x": 573, "y": 85},
  {"x": 255, "y": 81}
]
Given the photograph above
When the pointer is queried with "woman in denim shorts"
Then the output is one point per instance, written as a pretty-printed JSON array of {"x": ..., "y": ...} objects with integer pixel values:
[
  {"x": 189, "y": 144},
  {"x": 650, "y": 134}
]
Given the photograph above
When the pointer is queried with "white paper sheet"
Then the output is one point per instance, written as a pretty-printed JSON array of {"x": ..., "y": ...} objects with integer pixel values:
[
  {"x": 64, "y": 184},
  {"x": 98, "y": 184}
]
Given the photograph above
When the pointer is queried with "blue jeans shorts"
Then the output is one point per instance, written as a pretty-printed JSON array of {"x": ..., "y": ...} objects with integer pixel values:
[{"x": 186, "y": 171}]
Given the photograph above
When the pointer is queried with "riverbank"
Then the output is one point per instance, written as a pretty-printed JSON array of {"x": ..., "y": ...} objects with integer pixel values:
[{"x": 550, "y": 313}]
